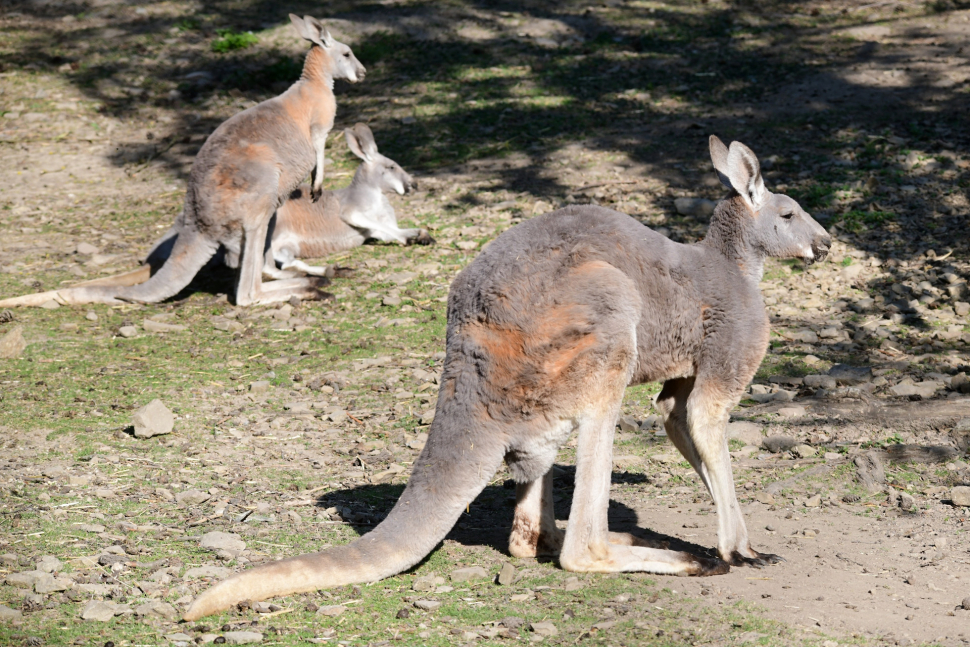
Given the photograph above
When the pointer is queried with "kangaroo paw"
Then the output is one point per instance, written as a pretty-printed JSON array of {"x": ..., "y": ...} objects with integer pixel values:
[
  {"x": 423, "y": 238},
  {"x": 704, "y": 567},
  {"x": 315, "y": 193},
  {"x": 760, "y": 560}
]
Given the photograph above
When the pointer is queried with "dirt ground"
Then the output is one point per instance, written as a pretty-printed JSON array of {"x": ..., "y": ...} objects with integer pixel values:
[{"x": 295, "y": 427}]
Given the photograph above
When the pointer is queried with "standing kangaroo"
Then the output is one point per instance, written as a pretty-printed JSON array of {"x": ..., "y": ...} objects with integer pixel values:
[
  {"x": 308, "y": 229},
  {"x": 546, "y": 328},
  {"x": 245, "y": 169}
]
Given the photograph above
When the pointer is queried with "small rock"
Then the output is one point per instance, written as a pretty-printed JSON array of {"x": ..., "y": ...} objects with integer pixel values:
[
  {"x": 778, "y": 444},
  {"x": 806, "y": 336},
  {"x": 91, "y": 315},
  {"x": 791, "y": 412},
  {"x": 764, "y": 497},
  {"x": 179, "y": 638},
  {"x": 962, "y": 308},
  {"x": 191, "y": 497},
  {"x": 47, "y": 583},
  {"x": 819, "y": 382},
  {"x": 158, "y": 326},
  {"x": 906, "y": 501},
  {"x": 572, "y": 584},
  {"x": 127, "y": 331},
  {"x": 650, "y": 422},
  {"x": 747, "y": 432},
  {"x": 850, "y": 375},
  {"x": 803, "y": 451},
  {"x": 628, "y": 424},
  {"x": 427, "y": 583},
  {"x": 153, "y": 419},
  {"x": 158, "y": 609},
  {"x": 960, "y": 495},
  {"x": 242, "y": 637},
  {"x": 832, "y": 456},
  {"x": 427, "y": 605},
  {"x": 99, "y": 610},
  {"x": 217, "y": 540},
  {"x": 87, "y": 249},
  {"x": 12, "y": 344},
  {"x": 966, "y": 604},
  {"x": 694, "y": 206},
  {"x": 427, "y": 417},
  {"x": 468, "y": 574},
  {"x": 391, "y": 300},
  {"x": 6, "y": 613},
  {"x": 49, "y": 564},
  {"x": 333, "y": 610},
  {"x": 207, "y": 570},
  {"x": 260, "y": 386},
  {"x": 544, "y": 629},
  {"x": 50, "y": 304},
  {"x": 507, "y": 575},
  {"x": 814, "y": 502}
]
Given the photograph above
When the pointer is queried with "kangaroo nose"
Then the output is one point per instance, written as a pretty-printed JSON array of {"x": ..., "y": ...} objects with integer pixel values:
[{"x": 821, "y": 247}]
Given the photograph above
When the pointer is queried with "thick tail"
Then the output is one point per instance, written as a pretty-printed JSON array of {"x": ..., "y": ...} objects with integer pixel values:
[
  {"x": 451, "y": 471},
  {"x": 133, "y": 277},
  {"x": 189, "y": 255}
]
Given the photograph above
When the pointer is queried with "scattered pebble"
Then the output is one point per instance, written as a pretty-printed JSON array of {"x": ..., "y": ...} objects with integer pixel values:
[
  {"x": 778, "y": 444},
  {"x": 217, "y": 540},
  {"x": 242, "y": 637},
  {"x": 543, "y": 628},
  {"x": 468, "y": 574},
  {"x": 127, "y": 331},
  {"x": 153, "y": 419},
  {"x": 12, "y": 344},
  {"x": 427, "y": 605}
]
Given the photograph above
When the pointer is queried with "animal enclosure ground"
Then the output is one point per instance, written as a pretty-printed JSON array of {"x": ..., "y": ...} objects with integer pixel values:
[{"x": 296, "y": 426}]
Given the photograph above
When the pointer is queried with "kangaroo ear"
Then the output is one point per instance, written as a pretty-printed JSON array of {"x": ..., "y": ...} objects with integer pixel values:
[
  {"x": 366, "y": 139},
  {"x": 744, "y": 173},
  {"x": 353, "y": 142},
  {"x": 312, "y": 29},
  {"x": 719, "y": 155}
]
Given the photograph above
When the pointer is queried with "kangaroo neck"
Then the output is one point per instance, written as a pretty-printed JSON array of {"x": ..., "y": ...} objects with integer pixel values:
[
  {"x": 317, "y": 68},
  {"x": 730, "y": 235}
]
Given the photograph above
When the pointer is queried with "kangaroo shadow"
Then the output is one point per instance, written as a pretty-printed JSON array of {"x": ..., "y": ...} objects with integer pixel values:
[{"x": 488, "y": 520}]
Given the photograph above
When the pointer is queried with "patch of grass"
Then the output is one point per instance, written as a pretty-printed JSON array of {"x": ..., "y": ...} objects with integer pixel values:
[
  {"x": 858, "y": 220},
  {"x": 230, "y": 41}
]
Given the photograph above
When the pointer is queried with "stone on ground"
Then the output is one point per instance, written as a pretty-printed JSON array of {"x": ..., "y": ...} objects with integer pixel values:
[
  {"x": 191, "y": 497},
  {"x": 468, "y": 574},
  {"x": 778, "y": 444},
  {"x": 12, "y": 344},
  {"x": 153, "y": 419},
  {"x": 222, "y": 541},
  {"x": 960, "y": 495},
  {"x": 747, "y": 432},
  {"x": 544, "y": 629},
  {"x": 6, "y": 613},
  {"x": 99, "y": 610},
  {"x": 507, "y": 575},
  {"x": 242, "y": 637}
]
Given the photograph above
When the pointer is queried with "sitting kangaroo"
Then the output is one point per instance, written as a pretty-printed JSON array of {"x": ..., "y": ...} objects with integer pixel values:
[
  {"x": 308, "y": 229},
  {"x": 245, "y": 169},
  {"x": 546, "y": 328}
]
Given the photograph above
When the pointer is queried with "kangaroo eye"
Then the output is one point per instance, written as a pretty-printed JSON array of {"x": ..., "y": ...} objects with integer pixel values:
[
  {"x": 346, "y": 54},
  {"x": 787, "y": 215}
]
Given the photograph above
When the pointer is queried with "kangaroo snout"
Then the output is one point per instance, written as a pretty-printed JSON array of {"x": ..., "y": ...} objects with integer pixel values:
[{"x": 820, "y": 248}]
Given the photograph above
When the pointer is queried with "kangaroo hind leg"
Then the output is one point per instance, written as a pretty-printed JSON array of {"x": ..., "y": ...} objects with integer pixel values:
[
  {"x": 534, "y": 530},
  {"x": 589, "y": 546}
]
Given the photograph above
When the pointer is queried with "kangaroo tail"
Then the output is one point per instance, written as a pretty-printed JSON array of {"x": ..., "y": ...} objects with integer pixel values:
[
  {"x": 451, "y": 471},
  {"x": 133, "y": 277},
  {"x": 189, "y": 255}
]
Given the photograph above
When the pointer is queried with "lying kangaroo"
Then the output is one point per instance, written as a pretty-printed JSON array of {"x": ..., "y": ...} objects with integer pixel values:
[
  {"x": 308, "y": 229},
  {"x": 546, "y": 328},
  {"x": 241, "y": 175},
  {"x": 301, "y": 227}
]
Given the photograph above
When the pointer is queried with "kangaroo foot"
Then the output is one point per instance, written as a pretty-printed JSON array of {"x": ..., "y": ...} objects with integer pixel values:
[
  {"x": 759, "y": 560},
  {"x": 423, "y": 238},
  {"x": 526, "y": 542},
  {"x": 705, "y": 566}
]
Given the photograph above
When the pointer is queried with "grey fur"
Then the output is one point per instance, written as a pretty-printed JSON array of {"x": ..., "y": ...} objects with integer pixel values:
[
  {"x": 546, "y": 328},
  {"x": 304, "y": 229}
]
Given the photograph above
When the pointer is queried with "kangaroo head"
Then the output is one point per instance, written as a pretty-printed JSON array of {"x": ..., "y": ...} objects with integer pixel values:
[
  {"x": 345, "y": 64},
  {"x": 779, "y": 227},
  {"x": 377, "y": 169}
]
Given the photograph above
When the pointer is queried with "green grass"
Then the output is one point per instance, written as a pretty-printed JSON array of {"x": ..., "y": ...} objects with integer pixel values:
[{"x": 230, "y": 41}]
